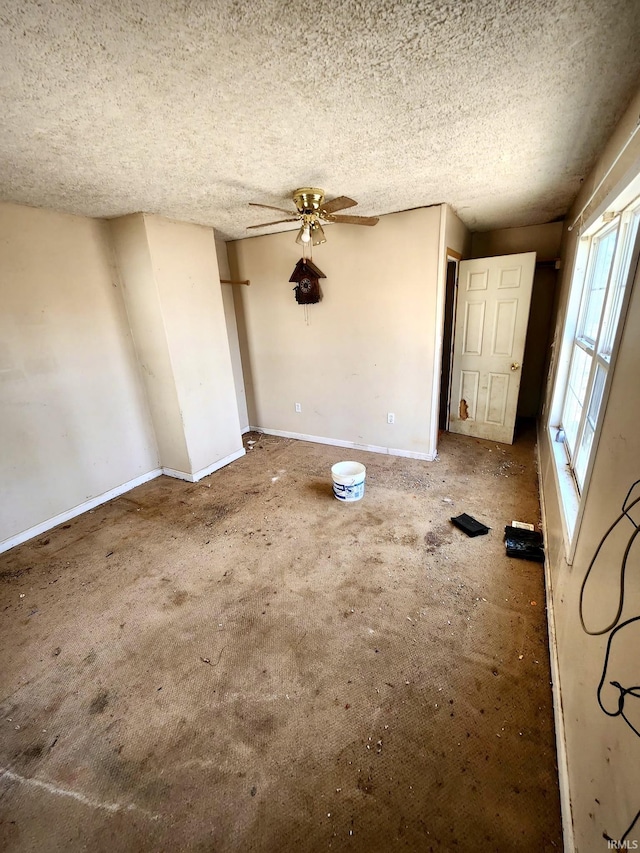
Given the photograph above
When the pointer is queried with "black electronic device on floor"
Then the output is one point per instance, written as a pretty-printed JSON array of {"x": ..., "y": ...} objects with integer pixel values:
[
  {"x": 470, "y": 525},
  {"x": 524, "y": 544}
]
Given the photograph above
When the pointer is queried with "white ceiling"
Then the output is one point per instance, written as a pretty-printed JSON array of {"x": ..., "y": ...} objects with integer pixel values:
[{"x": 192, "y": 108}]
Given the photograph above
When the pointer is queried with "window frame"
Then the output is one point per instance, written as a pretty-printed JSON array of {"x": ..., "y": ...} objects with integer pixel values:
[
  {"x": 591, "y": 346},
  {"x": 623, "y": 216}
]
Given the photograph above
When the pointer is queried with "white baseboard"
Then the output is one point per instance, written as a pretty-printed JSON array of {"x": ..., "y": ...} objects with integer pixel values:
[
  {"x": 204, "y": 472},
  {"x": 92, "y": 503},
  {"x": 558, "y": 713},
  {"x": 38, "y": 529},
  {"x": 337, "y": 442}
]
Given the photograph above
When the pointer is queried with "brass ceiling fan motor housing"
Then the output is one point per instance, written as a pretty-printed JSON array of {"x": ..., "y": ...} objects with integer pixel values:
[{"x": 308, "y": 200}]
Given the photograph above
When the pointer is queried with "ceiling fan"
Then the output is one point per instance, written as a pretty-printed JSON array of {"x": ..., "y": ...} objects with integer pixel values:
[{"x": 311, "y": 209}]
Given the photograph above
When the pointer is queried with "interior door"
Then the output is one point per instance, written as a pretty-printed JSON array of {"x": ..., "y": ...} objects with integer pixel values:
[{"x": 494, "y": 295}]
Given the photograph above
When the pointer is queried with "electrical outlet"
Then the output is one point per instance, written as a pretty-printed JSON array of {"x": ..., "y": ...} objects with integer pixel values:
[
  {"x": 391, "y": 418},
  {"x": 298, "y": 407}
]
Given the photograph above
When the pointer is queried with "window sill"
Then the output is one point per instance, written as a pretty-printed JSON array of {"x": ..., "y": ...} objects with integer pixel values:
[{"x": 568, "y": 496}]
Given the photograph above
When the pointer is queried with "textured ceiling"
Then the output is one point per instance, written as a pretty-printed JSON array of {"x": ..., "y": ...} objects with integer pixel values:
[{"x": 192, "y": 108}]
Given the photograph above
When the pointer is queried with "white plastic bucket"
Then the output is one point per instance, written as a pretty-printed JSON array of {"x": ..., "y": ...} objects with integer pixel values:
[{"x": 348, "y": 480}]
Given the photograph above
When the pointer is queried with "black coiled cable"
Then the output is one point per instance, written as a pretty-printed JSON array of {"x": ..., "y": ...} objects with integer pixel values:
[{"x": 623, "y": 566}]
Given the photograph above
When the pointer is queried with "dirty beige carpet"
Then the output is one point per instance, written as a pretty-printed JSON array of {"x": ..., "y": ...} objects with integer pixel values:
[{"x": 246, "y": 664}]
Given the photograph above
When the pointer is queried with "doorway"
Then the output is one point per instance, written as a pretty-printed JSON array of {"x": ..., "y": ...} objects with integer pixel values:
[
  {"x": 453, "y": 259},
  {"x": 493, "y": 299}
]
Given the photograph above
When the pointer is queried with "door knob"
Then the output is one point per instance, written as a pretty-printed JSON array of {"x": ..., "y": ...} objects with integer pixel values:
[{"x": 515, "y": 366}]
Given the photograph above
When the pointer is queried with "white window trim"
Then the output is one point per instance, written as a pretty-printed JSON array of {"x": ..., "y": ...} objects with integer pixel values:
[{"x": 570, "y": 500}]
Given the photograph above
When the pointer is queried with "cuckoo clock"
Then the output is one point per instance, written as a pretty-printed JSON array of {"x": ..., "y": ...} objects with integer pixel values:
[{"x": 307, "y": 278}]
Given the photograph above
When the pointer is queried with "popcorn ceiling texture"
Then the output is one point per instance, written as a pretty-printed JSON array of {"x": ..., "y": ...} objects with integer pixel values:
[{"x": 192, "y": 109}]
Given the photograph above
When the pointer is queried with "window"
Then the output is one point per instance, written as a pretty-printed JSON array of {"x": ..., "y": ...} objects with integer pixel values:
[{"x": 601, "y": 278}]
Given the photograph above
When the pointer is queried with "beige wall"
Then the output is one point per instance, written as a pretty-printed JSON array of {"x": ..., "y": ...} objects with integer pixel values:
[
  {"x": 543, "y": 239},
  {"x": 367, "y": 349},
  {"x": 603, "y": 753},
  {"x": 185, "y": 268},
  {"x": 456, "y": 236},
  {"x": 172, "y": 291},
  {"x": 145, "y": 316},
  {"x": 228, "y": 300},
  {"x": 74, "y": 422}
]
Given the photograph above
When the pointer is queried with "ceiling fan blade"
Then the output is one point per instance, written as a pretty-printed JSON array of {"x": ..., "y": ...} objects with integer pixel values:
[
  {"x": 353, "y": 220},
  {"x": 269, "y": 207},
  {"x": 277, "y": 222},
  {"x": 339, "y": 203}
]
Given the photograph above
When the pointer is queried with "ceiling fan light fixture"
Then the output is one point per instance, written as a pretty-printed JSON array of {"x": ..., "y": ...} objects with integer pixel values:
[
  {"x": 317, "y": 234},
  {"x": 304, "y": 235}
]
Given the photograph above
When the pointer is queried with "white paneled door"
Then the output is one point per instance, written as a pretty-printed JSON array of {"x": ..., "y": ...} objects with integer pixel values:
[{"x": 494, "y": 295}]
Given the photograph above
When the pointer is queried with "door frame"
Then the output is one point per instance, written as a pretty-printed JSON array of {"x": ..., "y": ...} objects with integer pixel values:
[
  {"x": 445, "y": 253},
  {"x": 448, "y": 329}
]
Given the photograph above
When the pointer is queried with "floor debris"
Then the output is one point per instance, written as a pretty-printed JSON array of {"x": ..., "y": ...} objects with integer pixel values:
[{"x": 190, "y": 745}]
